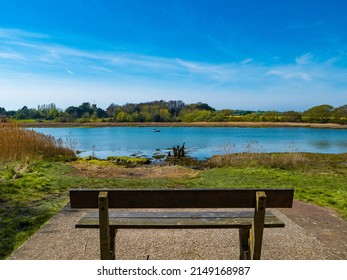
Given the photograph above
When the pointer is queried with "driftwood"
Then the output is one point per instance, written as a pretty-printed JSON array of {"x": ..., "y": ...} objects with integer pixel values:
[{"x": 178, "y": 152}]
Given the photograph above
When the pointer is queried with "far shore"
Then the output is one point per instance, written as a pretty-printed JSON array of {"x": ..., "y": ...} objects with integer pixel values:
[{"x": 183, "y": 124}]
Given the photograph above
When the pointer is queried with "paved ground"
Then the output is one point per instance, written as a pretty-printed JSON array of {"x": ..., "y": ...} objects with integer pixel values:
[{"x": 311, "y": 232}]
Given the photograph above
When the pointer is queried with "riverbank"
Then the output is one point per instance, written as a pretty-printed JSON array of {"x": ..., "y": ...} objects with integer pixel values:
[{"x": 184, "y": 124}]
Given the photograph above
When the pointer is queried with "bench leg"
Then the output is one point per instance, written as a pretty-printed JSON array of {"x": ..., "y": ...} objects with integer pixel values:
[
  {"x": 244, "y": 244},
  {"x": 105, "y": 233},
  {"x": 256, "y": 234},
  {"x": 113, "y": 233}
]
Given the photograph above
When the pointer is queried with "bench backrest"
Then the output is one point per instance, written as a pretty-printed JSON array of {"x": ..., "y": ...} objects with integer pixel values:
[{"x": 182, "y": 198}]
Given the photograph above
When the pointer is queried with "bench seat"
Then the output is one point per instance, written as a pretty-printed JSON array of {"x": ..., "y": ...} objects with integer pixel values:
[
  {"x": 146, "y": 208},
  {"x": 131, "y": 220}
]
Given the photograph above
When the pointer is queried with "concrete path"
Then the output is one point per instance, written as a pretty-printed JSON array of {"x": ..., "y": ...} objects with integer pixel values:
[{"x": 301, "y": 239}]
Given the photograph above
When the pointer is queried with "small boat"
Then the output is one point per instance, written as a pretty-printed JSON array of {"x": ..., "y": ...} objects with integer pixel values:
[{"x": 156, "y": 130}]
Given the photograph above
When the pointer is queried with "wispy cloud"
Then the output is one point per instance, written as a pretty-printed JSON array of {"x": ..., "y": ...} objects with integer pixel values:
[
  {"x": 12, "y": 56},
  {"x": 289, "y": 74},
  {"x": 46, "y": 54},
  {"x": 13, "y": 33},
  {"x": 100, "y": 69},
  {"x": 70, "y": 72},
  {"x": 304, "y": 59},
  {"x": 39, "y": 55}
]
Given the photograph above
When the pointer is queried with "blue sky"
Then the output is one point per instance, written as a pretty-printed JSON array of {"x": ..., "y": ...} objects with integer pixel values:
[{"x": 237, "y": 54}]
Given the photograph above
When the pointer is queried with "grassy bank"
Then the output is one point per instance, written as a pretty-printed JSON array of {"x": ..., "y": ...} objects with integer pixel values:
[{"x": 32, "y": 192}]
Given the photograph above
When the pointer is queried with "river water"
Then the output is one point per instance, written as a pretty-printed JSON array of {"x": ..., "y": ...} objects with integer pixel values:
[{"x": 200, "y": 142}]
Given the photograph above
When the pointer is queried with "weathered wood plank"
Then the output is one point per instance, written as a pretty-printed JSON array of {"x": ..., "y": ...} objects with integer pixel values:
[
  {"x": 178, "y": 220},
  {"x": 182, "y": 198},
  {"x": 244, "y": 244},
  {"x": 175, "y": 214},
  {"x": 256, "y": 240},
  {"x": 103, "y": 220}
]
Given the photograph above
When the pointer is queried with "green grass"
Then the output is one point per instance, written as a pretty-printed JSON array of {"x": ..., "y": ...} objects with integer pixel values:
[
  {"x": 325, "y": 189},
  {"x": 128, "y": 160},
  {"x": 33, "y": 192},
  {"x": 30, "y": 195},
  {"x": 119, "y": 160}
]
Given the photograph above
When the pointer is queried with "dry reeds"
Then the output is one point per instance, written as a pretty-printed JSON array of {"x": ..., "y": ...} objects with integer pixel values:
[
  {"x": 270, "y": 160},
  {"x": 17, "y": 143}
]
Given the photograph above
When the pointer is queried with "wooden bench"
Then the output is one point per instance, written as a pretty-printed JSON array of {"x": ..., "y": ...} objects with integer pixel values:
[{"x": 250, "y": 224}]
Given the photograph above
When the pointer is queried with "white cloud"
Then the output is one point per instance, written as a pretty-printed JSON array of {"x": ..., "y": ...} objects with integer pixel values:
[
  {"x": 76, "y": 75},
  {"x": 100, "y": 69},
  {"x": 289, "y": 74},
  {"x": 247, "y": 61},
  {"x": 10, "y": 34},
  {"x": 69, "y": 71},
  {"x": 304, "y": 59},
  {"x": 12, "y": 56}
]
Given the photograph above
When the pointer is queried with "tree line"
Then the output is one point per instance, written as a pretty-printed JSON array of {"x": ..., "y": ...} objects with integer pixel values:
[{"x": 171, "y": 111}]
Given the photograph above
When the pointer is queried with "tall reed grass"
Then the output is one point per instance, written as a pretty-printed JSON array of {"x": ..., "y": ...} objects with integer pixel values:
[
  {"x": 17, "y": 143},
  {"x": 271, "y": 160}
]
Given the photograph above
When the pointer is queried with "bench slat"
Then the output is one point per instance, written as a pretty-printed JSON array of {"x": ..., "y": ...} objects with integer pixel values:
[
  {"x": 127, "y": 220},
  {"x": 183, "y": 198}
]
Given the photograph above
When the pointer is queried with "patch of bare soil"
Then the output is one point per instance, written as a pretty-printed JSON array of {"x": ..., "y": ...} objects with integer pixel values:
[{"x": 148, "y": 171}]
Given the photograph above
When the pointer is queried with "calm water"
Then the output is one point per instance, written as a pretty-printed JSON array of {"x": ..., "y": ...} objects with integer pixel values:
[{"x": 200, "y": 142}]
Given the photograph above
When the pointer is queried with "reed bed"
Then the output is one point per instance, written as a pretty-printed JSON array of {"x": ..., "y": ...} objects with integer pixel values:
[
  {"x": 17, "y": 143},
  {"x": 269, "y": 160}
]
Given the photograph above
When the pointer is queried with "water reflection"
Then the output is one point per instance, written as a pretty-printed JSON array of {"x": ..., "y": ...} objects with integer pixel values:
[
  {"x": 200, "y": 142},
  {"x": 321, "y": 144}
]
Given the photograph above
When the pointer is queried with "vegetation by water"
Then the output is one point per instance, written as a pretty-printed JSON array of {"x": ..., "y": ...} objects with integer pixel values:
[
  {"x": 17, "y": 143},
  {"x": 171, "y": 111},
  {"x": 33, "y": 191},
  {"x": 121, "y": 160}
]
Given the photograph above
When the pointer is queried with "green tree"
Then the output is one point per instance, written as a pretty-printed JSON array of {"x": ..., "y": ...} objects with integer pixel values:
[
  {"x": 164, "y": 115},
  {"x": 85, "y": 108},
  {"x": 111, "y": 110},
  {"x": 23, "y": 113},
  {"x": 318, "y": 114},
  {"x": 339, "y": 115},
  {"x": 271, "y": 116},
  {"x": 85, "y": 117},
  {"x": 73, "y": 112},
  {"x": 52, "y": 114},
  {"x": 291, "y": 116},
  {"x": 2, "y": 111},
  {"x": 122, "y": 117}
]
